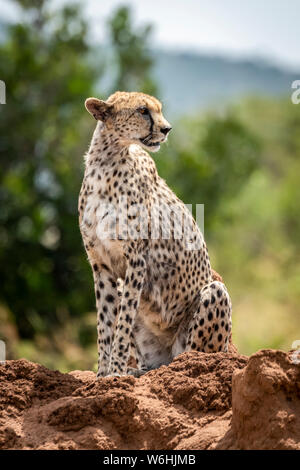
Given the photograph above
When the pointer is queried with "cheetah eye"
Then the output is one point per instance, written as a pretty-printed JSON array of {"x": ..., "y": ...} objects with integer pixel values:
[{"x": 144, "y": 111}]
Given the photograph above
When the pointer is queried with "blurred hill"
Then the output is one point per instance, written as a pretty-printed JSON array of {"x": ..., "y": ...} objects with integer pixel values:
[{"x": 189, "y": 82}]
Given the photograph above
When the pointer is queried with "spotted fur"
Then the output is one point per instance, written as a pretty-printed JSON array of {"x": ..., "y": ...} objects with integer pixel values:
[{"x": 155, "y": 298}]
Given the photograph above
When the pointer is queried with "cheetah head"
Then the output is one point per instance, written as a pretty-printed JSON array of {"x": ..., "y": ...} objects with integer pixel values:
[{"x": 136, "y": 118}]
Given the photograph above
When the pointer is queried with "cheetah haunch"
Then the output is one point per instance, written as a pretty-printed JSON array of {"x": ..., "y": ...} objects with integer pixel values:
[{"x": 155, "y": 295}]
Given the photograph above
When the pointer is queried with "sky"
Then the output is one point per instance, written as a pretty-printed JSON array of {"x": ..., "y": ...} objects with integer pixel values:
[{"x": 237, "y": 28}]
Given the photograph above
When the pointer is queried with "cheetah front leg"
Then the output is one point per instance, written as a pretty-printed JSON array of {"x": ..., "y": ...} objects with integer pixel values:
[
  {"x": 135, "y": 353},
  {"x": 107, "y": 303},
  {"x": 129, "y": 303}
]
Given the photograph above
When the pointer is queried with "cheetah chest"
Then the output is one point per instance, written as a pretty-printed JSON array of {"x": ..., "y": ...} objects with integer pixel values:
[{"x": 99, "y": 235}]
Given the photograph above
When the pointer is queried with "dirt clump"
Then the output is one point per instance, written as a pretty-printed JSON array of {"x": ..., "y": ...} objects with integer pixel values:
[{"x": 199, "y": 401}]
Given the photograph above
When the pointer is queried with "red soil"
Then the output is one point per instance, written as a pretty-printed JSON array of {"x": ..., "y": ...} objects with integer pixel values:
[{"x": 200, "y": 401}]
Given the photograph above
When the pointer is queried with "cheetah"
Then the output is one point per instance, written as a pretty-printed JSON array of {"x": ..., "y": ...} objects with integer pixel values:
[{"x": 156, "y": 295}]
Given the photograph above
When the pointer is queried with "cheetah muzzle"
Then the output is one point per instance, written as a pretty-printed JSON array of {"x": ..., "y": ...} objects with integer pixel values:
[{"x": 156, "y": 296}]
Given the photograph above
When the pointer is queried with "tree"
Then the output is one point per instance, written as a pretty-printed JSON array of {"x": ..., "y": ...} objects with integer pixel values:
[
  {"x": 209, "y": 161},
  {"x": 131, "y": 54},
  {"x": 44, "y": 133}
]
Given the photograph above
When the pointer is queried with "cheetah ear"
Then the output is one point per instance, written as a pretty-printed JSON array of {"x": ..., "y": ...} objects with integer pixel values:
[{"x": 98, "y": 108}]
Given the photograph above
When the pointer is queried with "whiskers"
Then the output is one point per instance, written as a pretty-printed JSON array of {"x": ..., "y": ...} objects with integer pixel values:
[{"x": 147, "y": 139}]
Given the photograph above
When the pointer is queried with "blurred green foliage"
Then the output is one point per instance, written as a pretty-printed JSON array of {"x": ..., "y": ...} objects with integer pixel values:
[
  {"x": 243, "y": 163},
  {"x": 208, "y": 161},
  {"x": 132, "y": 58},
  {"x": 44, "y": 132}
]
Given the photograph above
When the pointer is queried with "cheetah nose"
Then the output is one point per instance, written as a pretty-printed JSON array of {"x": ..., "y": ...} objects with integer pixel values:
[{"x": 165, "y": 130}]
